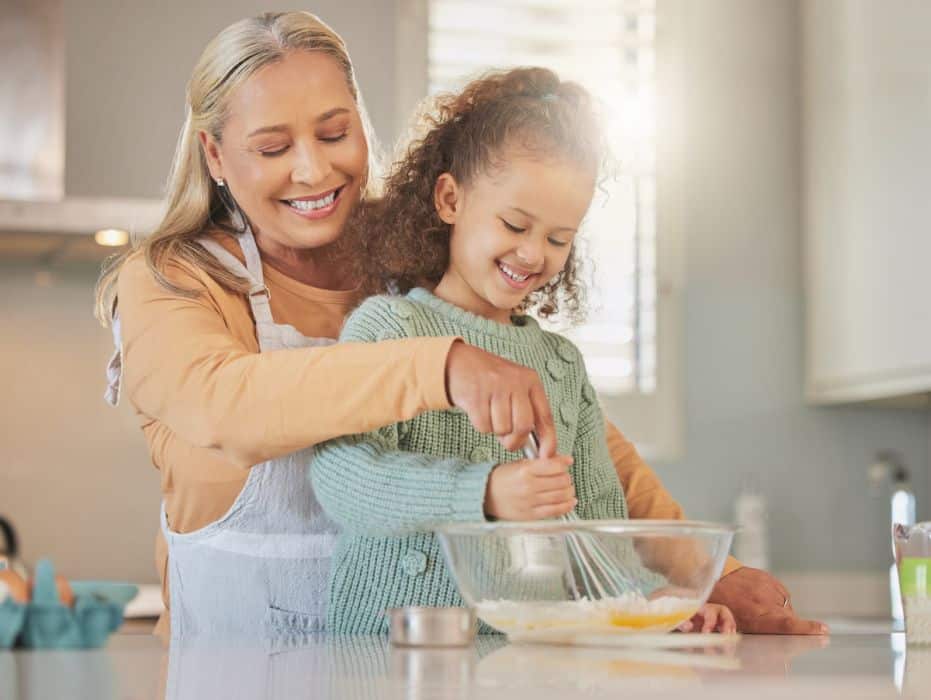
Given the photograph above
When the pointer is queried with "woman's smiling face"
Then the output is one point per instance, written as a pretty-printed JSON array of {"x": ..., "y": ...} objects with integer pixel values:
[
  {"x": 512, "y": 230},
  {"x": 293, "y": 151}
]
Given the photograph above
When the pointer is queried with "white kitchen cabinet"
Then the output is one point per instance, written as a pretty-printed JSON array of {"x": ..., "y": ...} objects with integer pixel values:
[{"x": 866, "y": 145}]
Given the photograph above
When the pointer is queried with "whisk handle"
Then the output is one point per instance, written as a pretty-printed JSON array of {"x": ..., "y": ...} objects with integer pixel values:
[{"x": 532, "y": 447}]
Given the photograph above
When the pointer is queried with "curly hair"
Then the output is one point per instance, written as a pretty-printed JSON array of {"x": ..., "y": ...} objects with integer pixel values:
[{"x": 401, "y": 240}]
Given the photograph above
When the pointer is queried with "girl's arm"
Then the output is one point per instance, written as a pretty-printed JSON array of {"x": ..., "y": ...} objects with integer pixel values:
[
  {"x": 368, "y": 484},
  {"x": 371, "y": 487},
  {"x": 192, "y": 365}
]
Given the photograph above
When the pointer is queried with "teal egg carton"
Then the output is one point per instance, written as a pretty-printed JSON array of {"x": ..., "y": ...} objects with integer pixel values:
[{"x": 45, "y": 623}]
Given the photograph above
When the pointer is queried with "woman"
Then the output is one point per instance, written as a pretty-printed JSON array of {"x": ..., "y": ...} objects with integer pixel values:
[{"x": 228, "y": 313}]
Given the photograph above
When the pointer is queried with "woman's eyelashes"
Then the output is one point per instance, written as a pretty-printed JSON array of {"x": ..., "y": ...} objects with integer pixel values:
[
  {"x": 517, "y": 229},
  {"x": 272, "y": 152}
]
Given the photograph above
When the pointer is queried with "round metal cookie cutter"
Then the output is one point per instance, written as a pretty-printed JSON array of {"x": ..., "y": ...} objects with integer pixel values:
[{"x": 432, "y": 627}]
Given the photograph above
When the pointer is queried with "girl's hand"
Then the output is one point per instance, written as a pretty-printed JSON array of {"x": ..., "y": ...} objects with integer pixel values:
[
  {"x": 500, "y": 397},
  {"x": 530, "y": 489},
  {"x": 710, "y": 618}
]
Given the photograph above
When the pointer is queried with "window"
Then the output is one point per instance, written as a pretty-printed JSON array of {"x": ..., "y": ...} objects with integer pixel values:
[{"x": 610, "y": 47}]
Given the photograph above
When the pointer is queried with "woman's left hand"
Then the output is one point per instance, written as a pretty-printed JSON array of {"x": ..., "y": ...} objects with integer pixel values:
[{"x": 761, "y": 604}]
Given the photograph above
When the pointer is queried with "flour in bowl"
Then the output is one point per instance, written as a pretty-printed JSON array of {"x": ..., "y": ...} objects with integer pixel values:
[{"x": 629, "y": 612}]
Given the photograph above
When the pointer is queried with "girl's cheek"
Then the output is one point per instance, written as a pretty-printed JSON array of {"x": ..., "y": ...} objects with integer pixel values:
[{"x": 561, "y": 265}]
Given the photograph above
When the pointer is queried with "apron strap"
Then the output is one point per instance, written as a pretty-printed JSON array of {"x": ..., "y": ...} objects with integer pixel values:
[
  {"x": 251, "y": 252},
  {"x": 115, "y": 366},
  {"x": 258, "y": 293},
  {"x": 227, "y": 259}
]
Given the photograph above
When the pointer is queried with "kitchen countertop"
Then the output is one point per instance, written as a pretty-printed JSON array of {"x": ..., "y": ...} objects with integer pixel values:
[{"x": 858, "y": 663}]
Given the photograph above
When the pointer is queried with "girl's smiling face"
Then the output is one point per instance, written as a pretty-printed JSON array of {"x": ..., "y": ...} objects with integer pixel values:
[
  {"x": 512, "y": 230},
  {"x": 293, "y": 152}
]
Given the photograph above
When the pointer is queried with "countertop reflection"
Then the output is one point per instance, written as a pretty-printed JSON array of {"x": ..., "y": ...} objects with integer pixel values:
[{"x": 133, "y": 666}]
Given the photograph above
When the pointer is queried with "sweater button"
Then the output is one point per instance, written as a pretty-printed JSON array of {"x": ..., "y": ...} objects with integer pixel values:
[
  {"x": 401, "y": 309},
  {"x": 567, "y": 412},
  {"x": 480, "y": 454},
  {"x": 588, "y": 393},
  {"x": 567, "y": 351},
  {"x": 414, "y": 563},
  {"x": 556, "y": 368}
]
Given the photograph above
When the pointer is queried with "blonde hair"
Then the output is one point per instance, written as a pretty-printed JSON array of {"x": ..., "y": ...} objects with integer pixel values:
[{"x": 193, "y": 198}]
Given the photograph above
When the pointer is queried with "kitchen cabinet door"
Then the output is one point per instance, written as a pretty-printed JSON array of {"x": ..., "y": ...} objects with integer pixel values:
[{"x": 866, "y": 142}]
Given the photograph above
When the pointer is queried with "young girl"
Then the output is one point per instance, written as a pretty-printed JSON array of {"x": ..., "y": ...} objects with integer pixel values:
[{"x": 484, "y": 210}]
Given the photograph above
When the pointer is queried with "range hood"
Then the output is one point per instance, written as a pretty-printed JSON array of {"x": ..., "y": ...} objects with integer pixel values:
[
  {"x": 33, "y": 189},
  {"x": 81, "y": 215}
]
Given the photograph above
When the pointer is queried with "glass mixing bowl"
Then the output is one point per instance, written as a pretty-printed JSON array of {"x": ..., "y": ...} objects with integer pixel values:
[{"x": 576, "y": 581}]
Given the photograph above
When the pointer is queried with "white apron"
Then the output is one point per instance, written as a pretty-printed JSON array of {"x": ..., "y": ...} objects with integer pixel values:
[{"x": 263, "y": 568}]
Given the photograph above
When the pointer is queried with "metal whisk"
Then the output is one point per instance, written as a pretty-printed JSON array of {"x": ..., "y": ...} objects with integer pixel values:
[{"x": 602, "y": 574}]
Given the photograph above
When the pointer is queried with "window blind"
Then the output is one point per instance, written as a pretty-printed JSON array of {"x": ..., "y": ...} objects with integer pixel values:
[{"x": 608, "y": 46}]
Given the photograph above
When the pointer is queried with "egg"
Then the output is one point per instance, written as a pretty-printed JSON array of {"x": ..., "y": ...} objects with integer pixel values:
[{"x": 17, "y": 587}]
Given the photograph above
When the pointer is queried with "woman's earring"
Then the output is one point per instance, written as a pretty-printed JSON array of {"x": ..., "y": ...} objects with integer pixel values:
[{"x": 237, "y": 217}]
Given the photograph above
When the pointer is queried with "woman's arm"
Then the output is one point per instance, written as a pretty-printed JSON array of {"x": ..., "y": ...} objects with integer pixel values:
[
  {"x": 599, "y": 487},
  {"x": 186, "y": 368},
  {"x": 646, "y": 496}
]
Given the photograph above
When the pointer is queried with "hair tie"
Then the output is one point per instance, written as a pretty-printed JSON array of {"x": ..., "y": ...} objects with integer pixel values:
[{"x": 549, "y": 97}]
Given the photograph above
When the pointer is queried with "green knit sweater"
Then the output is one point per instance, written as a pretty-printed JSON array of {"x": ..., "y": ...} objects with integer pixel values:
[{"x": 389, "y": 488}]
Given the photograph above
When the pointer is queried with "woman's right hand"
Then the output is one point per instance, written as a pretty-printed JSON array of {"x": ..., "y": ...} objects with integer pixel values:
[
  {"x": 530, "y": 489},
  {"x": 500, "y": 397}
]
